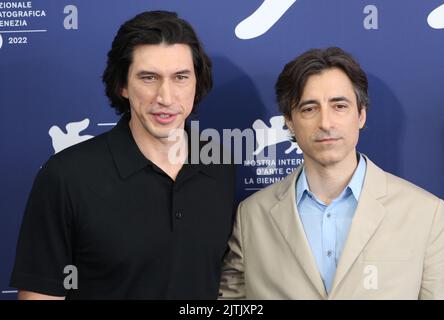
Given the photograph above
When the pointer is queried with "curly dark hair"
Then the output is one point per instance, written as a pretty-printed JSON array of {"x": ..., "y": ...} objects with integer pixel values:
[{"x": 152, "y": 27}]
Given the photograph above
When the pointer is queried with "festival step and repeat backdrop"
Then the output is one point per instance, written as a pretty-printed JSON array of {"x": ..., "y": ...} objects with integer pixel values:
[{"x": 53, "y": 53}]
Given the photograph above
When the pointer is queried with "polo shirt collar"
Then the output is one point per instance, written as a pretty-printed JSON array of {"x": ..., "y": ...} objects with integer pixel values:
[
  {"x": 129, "y": 159},
  {"x": 125, "y": 152}
]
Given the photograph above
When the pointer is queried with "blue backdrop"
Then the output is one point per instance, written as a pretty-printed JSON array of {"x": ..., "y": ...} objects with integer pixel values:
[{"x": 52, "y": 55}]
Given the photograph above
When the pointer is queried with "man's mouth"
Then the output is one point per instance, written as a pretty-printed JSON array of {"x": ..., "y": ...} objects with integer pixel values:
[
  {"x": 164, "y": 118},
  {"x": 326, "y": 140}
]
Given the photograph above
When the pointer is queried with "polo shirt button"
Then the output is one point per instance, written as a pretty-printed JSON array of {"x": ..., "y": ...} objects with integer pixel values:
[{"x": 178, "y": 215}]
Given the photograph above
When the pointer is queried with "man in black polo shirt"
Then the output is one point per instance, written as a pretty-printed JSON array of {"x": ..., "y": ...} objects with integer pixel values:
[{"x": 117, "y": 214}]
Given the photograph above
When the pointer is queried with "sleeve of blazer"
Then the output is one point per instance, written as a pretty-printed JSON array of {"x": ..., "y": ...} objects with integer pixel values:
[
  {"x": 232, "y": 284},
  {"x": 432, "y": 286}
]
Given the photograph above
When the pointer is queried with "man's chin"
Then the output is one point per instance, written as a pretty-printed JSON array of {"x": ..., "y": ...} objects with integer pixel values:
[
  {"x": 328, "y": 160},
  {"x": 162, "y": 135},
  {"x": 170, "y": 135},
  {"x": 332, "y": 159}
]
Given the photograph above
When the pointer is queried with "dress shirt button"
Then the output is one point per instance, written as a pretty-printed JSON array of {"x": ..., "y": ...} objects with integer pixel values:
[
  {"x": 178, "y": 215},
  {"x": 329, "y": 253},
  {"x": 328, "y": 215}
]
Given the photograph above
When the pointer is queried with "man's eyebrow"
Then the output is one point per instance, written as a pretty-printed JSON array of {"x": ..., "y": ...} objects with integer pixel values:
[
  {"x": 145, "y": 73},
  {"x": 152, "y": 73},
  {"x": 339, "y": 99},
  {"x": 184, "y": 71},
  {"x": 313, "y": 101}
]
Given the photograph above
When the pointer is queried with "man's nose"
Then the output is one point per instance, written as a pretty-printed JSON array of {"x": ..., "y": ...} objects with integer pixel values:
[
  {"x": 325, "y": 121},
  {"x": 164, "y": 94}
]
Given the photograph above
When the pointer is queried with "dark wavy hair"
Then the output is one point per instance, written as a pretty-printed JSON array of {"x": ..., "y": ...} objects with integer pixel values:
[
  {"x": 152, "y": 27},
  {"x": 291, "y": 81}
]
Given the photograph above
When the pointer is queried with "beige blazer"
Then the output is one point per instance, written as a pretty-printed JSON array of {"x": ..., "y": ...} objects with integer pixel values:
[{"x": 394, "y": 250}]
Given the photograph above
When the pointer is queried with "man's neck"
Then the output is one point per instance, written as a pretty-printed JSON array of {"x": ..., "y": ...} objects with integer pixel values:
[
  {"x": 327, "y": 182},
  {"x": 167, "y": 155}
]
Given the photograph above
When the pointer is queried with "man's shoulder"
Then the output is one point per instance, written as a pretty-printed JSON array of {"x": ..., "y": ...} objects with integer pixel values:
[
  {"x": 400, "y": 196},
  {"x": 267, "y": 197},
  {"x": 408, "y": 204},
  {"x": 393, "y": 186},
  {"x": 403, "y": 188},
  {"x": 79, "y": 156}
]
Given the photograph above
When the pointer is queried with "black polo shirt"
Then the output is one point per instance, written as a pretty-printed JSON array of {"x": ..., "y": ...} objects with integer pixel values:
[{"x": 129, "y": 229}]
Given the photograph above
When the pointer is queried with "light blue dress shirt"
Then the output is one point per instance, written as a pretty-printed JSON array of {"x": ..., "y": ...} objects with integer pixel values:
[{"x": 326, "y": 226}]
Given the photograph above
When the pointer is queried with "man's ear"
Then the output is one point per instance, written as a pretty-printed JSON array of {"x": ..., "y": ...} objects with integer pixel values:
[
  {"x": 289, "y": 124},
  {"x": 362, "y": 117},
  {"x": 124, "y": 92}
]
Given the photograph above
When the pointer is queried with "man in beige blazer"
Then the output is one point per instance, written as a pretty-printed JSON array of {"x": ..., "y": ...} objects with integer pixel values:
[{"x": 393, "y": 246}]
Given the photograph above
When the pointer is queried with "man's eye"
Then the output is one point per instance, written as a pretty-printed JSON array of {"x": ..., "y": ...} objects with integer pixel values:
[
  {"x": 149, "y": 78},
  {"x": 307, "y": 110},
  {"x": 181, "y": 77},
  {"x": 341, "y": 106}
]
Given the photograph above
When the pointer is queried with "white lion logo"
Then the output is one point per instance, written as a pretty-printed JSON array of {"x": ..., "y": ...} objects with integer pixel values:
[
  {"x": 61, "y": 140},
  {"x": 268, "y": 136}
]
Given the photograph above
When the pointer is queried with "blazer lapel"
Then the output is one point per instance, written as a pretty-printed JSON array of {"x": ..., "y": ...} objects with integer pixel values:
[
  {"x": 284, "y": 213},
  {"x": 368, "y": 216}
]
